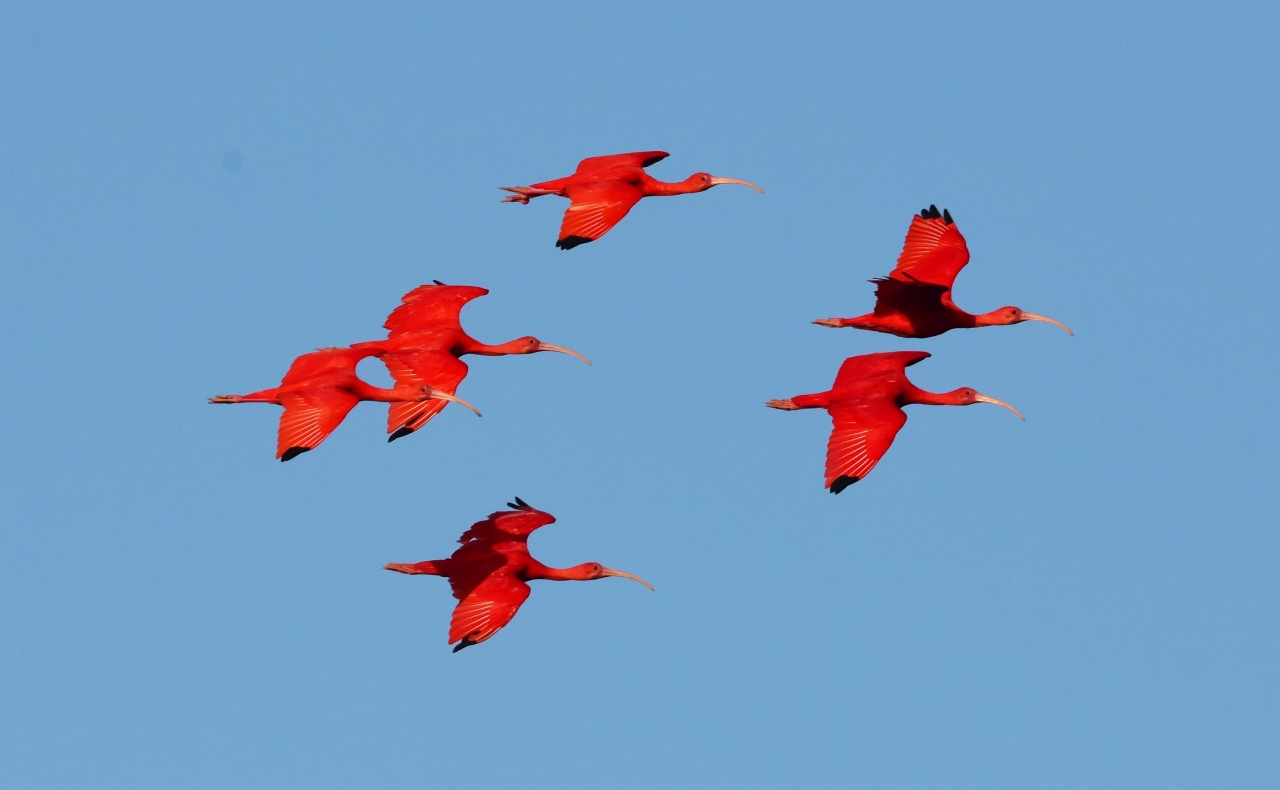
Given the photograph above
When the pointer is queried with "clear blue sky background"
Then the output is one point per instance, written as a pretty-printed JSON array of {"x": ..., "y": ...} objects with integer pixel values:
[{"x": 1084, "y": 600}]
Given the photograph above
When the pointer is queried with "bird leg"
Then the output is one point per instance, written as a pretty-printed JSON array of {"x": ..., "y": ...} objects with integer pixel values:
[
  {"x": 522, "y": 194},
  {"x": 414, "y": 568},
  {"x": 785, "y": 405},
  {"x": 831, "y": 322}
]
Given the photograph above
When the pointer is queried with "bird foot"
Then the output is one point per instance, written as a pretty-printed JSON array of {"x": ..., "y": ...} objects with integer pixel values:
[
  {"x": 785, "y": 405},
  {"x": 522, "y": 194},
  {"x": 835, "y": 323},
  {"x": 225, "y": 399},
  {"x": 399, "y": 567}
]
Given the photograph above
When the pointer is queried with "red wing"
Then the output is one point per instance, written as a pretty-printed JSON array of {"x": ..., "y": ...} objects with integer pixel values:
[
  {"x": 431, "y": 306},
  {"x": 863, "y": 432},
  {"x": 596, "y": 208},
  {"x": 486, "y": 608},
  {"x": 637, "y": 159},
  {"x": 499, "y": 527},
  {"x": 310, "y": 416},
  {"x": 891, "y": 364},
  {"x": 322, "y": 363},
  {"x": 440, "y": 369},
  {"x": 934, "y": 252},
  {"x": 908, "y": 297}
]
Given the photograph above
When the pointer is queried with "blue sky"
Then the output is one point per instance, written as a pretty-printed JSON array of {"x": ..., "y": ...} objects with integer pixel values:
[{"x": 1087, "y": 599}]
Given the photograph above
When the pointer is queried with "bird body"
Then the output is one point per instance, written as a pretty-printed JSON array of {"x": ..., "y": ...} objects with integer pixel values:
[
  {"x": 318, "y": 392},
  {"x": 424, "y": 345},
  {"x": 865, "y": 404},
  {"x": 915, "y": 299},
  {"x": 604, "y": 188},
  {"x": 489, "y": 574}
]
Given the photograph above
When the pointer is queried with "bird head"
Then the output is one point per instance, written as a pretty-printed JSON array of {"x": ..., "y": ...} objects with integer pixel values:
[
  {"x": 1016, "y": 315},
  {"x": 966, "y": 396},
  {"x": 701, "y": 182},
  {"x": 532, "y": 345},
  {"x": 427, "y": 392},
  {"x": 589, "y": 571}
]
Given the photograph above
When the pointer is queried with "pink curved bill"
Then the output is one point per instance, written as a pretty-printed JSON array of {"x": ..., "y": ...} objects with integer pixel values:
[
  {"x": 625, "y": 575},
  {"x": 988, "y": 399},
  {"x": 716, "y": 180}
]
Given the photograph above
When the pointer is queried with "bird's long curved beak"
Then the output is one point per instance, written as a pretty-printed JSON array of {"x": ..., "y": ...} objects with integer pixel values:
[
  {"x": 988, "y": 399},
  {"x": 717, "y": 180},
  {"x": 1048, "y": 320},
  {"x": 625, "y": 575},
  {"x": 548, "y": 347},
  {"x": 438, "y": 395}
]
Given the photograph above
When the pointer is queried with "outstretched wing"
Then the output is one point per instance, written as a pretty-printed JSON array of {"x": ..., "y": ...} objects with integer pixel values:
[
  {"x": 486, "y": 608},
  {"x": 430, "y": 307},
  {"x": 439, "y": 369},
  {"x": 905, "y": 297},
  {"x": 637, "y": 159},
  {"x": 309, "y": 417},
  {"x": 934, "y": 251},
  {"x": 595, "y": 208},
  {"x": 885, "y": 364},
  {"x": 323, "y": 362},
  {"x": 863, "y": 433}
]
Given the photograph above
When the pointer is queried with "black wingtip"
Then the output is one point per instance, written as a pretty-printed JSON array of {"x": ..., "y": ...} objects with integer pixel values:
[
  {"x": 437, "y": 282},
  {"x": 466, "y": 642},
  {"x": 569, "y": 242},
  {"x": 932, "y": 213},
  {"x": 519, "y": 504},
  {"x": 294, "y": 452},
  {"x": 946, "y": 217},
  {"x": 400, "y": 434},
  {"x": 842, "y": 482}
]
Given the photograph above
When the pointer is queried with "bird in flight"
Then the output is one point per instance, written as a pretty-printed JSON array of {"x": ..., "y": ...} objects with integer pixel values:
[
  {"x": 490, "y": 573},
  {"x": 604, "y": 188},
  {"x": 318, "y": 392},
  {"x": 425, "y": 341},
  {"x": 865, "y": 404},
  {"x": 915, "y": 299}
]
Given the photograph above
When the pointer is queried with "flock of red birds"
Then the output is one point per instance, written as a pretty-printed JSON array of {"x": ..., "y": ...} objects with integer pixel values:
[{"x": 425, "y": 344}]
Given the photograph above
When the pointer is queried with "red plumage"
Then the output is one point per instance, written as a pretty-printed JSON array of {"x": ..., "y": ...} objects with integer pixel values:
[
  {"x": 865, "y": 404},
  {"x": 489, "y": 574},
  {"x": 604, "y": 188}
]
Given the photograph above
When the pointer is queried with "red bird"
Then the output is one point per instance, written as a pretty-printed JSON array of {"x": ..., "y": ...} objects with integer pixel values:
[
  {"x": 866, "y": 404},
  {"x": 424, "y": 342},
  {"x": 915, "y": 299},
  {"x": 604, "y": 188},
  {"x": 490, "y": 573},
  {"x": 318, "y": 391}
]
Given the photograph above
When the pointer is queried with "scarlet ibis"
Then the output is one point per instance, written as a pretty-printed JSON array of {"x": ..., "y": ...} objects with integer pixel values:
[
  {"x": 865, "y": 404},
  {"x": 604, "y": 188},
  {"x": 915, "y": 299},
  {"x": 490, "y": 573},
  {"x": 424, "y": 342},
  {"x": 318, "y": 392}
]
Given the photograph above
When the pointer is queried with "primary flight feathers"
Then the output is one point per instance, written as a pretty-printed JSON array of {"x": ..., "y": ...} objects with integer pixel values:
[
  {"x": 424, "y": 342},
  {"x": 604, "y": 188},
  {"x": 489, "y": 574}
]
